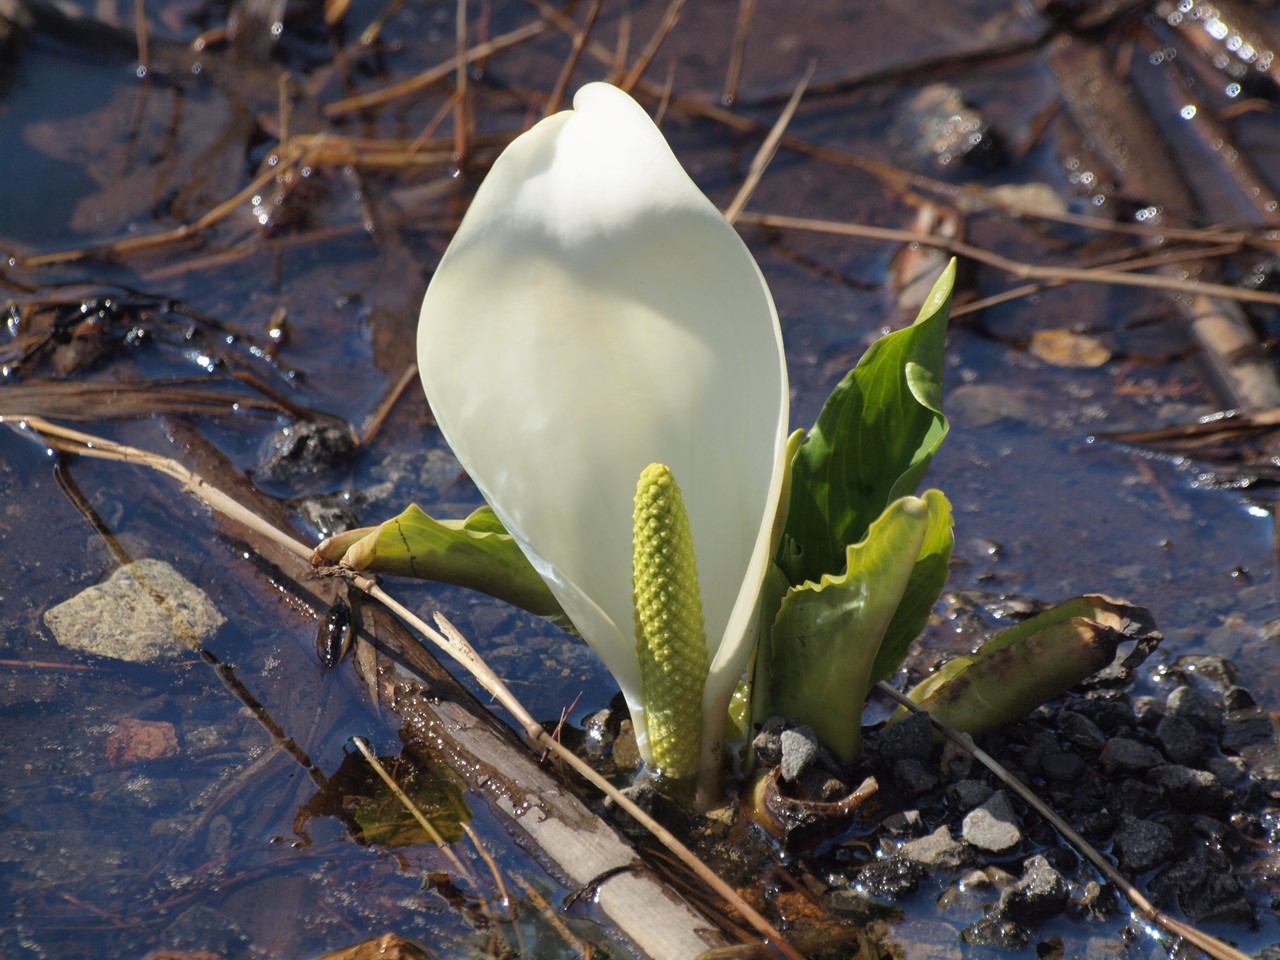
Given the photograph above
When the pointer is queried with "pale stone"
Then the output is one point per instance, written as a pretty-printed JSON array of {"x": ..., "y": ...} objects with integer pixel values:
[{"x": 146, "y": 611}]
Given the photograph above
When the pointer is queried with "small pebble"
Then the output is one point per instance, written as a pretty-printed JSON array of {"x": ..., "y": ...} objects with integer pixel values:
[
  {"x": 938, "y": 851},
  {"x": 1190, "y": 704},
  {"x": 1140, "y": 845},
  {"x": 799, "y": 750},
  {"x": 1122, "y": 755},
  {"x": 1179, "y": 740},
  {"x": 993, "y": 826}
]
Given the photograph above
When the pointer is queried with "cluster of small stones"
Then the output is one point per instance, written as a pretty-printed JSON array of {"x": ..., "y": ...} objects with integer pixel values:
[{"x": 1181, "y": 792}]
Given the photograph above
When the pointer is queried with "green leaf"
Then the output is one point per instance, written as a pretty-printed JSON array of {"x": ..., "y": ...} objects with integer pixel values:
[
  {"x": 1020, "y": 668},
  {"x": 923, "y": 588},
  {"x": 817, "y": 661},
  {"x": 871, "y": 444},
  {"x": 476, "y": 552}
]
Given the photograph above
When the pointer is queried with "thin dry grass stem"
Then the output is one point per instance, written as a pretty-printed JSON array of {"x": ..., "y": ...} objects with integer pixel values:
[
  {"x": 310, "y": 149},
  {"x": 617, "y": 62},
  {"x": 142, "y": 37},
  {"x": 370, "y": 34},
  {"x": 1138, "y": 263},
  {"x": 283, "y": 108},
  {"x": 177, "y": 234},
  {"x": 446, "y": 637},
  {"x": 580, "y": 947},
  {"x": 388, "y": 402},
  {"x": 427, "y": 78},
  {"x": 571, "y": 61},
  {"x": 1202, "y": 941},
  {"x": 433, "y": 124},
  {"x": 664, "y": 100},
  {"x": 462, "y": 101},
  {"x": 492, "y": 864},
  {"x": 414, "y": 810},
  {"x": 764, "y": 156},
  {"x": 670, "y": 17},
  {"x": 48, "y": 665},
  {"x": 741, "y": 30},
  {"x": 1016, "y": 268}
]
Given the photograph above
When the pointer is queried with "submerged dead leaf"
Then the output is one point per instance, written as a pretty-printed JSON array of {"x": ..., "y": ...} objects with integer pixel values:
[
  {"x": 1062, "y": 348},
  {"x": 389, "y": 946}
]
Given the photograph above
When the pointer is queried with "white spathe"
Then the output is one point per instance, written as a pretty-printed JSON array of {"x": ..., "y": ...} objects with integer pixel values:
[{"x": 595, "y": 313}]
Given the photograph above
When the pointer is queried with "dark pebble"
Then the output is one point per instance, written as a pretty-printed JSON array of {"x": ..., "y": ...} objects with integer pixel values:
[
  {"x": 913, "y": 778},
  {"x": 305, "y": 450},
  {"x": 1217, "y": 670},
  {"x": 995, "y": 931},
  {"x": 911, "y": 738},
  {"x": 1094, "y": 825},
  {"x": 1112, "y": 716},
  {"x": 1038, "y": 896},
  {"x": 1238, "y": 698},
  {"x": 964, "y": 795},
  {"x": 1179, "y": 740},
  {"x": 767, "y": 743},
  {"x": 1122, "y": 755},
  {"x": 1147, "y": 710},
  {"x": 903, "y": 823},
  {"x": 1246, "y": 728},
  {"x": 1080, "y": 731},
  {"x": 1062, "y": 767},
  {"x": 1204, "y": 889},
  {"x": 1135, "y": 798},
  {"x": 891, "y": 879},
  {"x": 1229, "y": 770},
  {"x": 1192, "y": 705},
  {"x": 1141, "y": 844},
  {"x": 1196, "y": 790},
  {"x": 1263, "y": 760}
]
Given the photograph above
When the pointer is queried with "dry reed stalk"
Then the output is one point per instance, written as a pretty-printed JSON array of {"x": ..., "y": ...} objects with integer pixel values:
[
  {"x": 737, "y": 53},
  {"x": 1015, "y": 268}
]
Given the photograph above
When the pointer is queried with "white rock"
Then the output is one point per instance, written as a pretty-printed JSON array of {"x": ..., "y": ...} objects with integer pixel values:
[{"x": 145, "y": 611}]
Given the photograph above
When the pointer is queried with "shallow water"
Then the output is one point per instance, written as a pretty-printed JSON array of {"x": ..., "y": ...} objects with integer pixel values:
[{"x": 207, "y": 849}]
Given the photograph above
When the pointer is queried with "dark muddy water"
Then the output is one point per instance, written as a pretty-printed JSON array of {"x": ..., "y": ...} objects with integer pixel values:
[{"x": 222, "y": 846}]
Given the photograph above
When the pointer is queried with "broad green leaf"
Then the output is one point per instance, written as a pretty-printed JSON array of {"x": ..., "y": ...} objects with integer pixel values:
[
  {"x": 923, "y": 589},
  {"x": 871, "y": 444},
  {"x": 476, "y": 553},
  {"x": 1020, "y": 668},
  {"x": 818, "y": 658}
]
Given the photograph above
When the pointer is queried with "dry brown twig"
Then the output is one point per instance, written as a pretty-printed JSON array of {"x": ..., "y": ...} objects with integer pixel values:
[{"x": 1015, "y": 268}]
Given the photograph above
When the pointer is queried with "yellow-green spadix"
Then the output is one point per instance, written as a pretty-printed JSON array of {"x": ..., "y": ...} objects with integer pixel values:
[{"x": 593, "y": 315}]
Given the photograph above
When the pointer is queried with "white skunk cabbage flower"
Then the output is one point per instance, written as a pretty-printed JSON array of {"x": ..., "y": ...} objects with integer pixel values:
[{"x": 593, "y": 315}]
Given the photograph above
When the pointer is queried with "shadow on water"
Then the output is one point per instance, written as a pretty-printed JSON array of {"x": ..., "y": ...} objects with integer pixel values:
[{"x": 146, "y": 806}]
